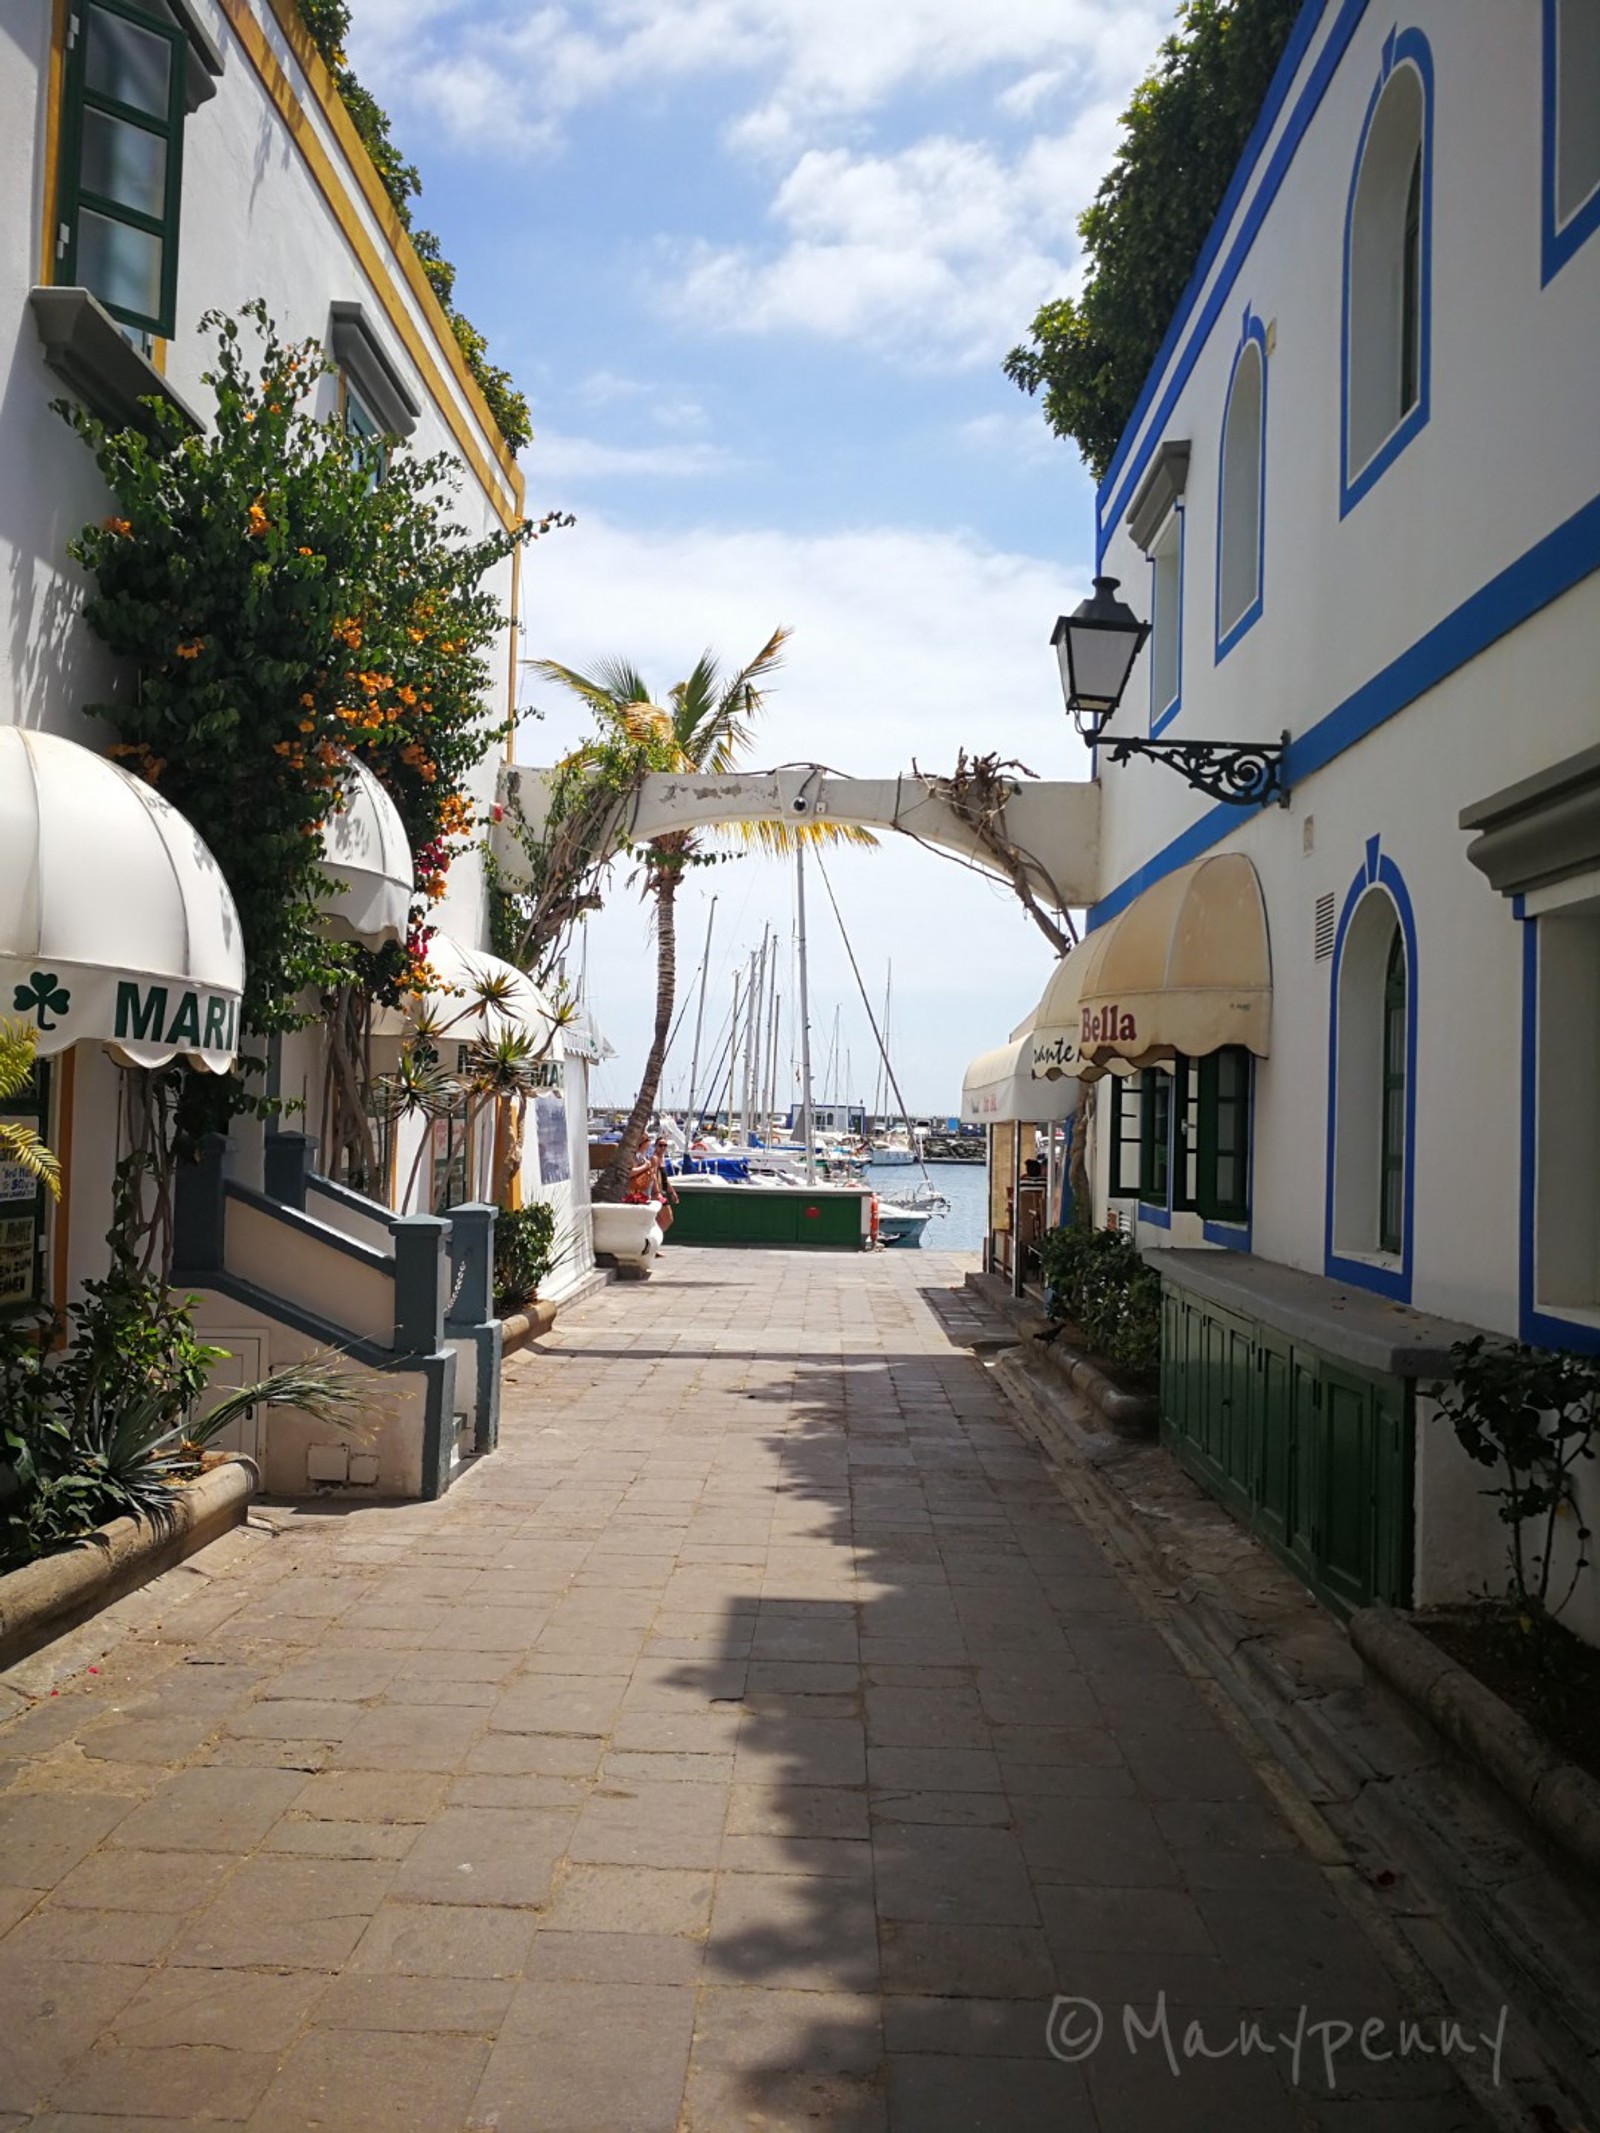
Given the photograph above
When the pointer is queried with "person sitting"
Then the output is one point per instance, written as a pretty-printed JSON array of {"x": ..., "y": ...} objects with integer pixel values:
[{"x": 665, "y": 1191}]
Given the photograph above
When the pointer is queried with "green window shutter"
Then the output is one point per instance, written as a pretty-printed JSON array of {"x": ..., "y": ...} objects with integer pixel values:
[
  {"x": 122, "y": 161},
  {"x": 1223, "y": 1135},
  {"x": 1155, "y": 1136},
  {"x": 1185, "y": 1133},
  {"x": 1126, "y": 1115}
]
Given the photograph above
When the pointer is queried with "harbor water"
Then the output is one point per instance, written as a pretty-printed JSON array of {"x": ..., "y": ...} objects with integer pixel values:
[{"x": 962, "y": 1184}]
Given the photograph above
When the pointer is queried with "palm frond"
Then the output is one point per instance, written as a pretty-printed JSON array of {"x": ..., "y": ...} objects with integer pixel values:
[
  {"x": 21, "y": 1146},
  {"x": 317, "y": 1387},
  {"x": 612, "y": 684}
]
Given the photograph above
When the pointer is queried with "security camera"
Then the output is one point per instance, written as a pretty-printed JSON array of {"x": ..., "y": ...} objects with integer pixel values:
[{"x": 800, "y": 805}]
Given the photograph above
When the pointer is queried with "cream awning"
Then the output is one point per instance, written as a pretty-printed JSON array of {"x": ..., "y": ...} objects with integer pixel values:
[
  {"x": 1053, "y": 1038},
  {"x": 365, "y": 852},
  {"x": 1185, "y": 968},
  {"x": 999, "y": 1088},
  {"x": 478, "y": 998},
  {"x": 115, "y": 921}
]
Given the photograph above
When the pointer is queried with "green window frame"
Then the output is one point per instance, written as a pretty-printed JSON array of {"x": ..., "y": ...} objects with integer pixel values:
[
  {"x": 1155, "y": 1136},
  {"x": 1392, "y": 1160},
  {"x": 1411, "y": 294},
  {"x": 121, "y": 181},
  {"x": 362, "y": 424},
  {"x": 1127, "y": 1143},
  {"x": 1193, "y": 1135},
  {"x": 1223, "y": 1077}
]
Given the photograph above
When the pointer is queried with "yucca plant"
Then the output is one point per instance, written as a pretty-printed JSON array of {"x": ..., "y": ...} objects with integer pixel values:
[{"x": 19, "y": 1144}]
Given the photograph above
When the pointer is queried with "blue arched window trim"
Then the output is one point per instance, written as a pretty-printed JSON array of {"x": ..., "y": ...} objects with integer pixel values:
[
  {"x": 1255, "y": 334},
  {"x": 1559, "y": 240},
  {"x": 1401, "y": 47},
  {"x": 1377, "y": 872}
]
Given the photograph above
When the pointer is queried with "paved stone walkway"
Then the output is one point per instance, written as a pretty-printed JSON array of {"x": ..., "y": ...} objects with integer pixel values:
[{"x": 757, "y": 1741}]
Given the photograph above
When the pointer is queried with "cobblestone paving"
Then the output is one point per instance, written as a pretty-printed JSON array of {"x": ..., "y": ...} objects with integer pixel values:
[{"x": 757, "y": 1741}]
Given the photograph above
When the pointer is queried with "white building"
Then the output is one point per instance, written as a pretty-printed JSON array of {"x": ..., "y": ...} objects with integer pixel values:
[
  {"x": 164, "y": 158},
  {"x": 1357, "y": 1085}
]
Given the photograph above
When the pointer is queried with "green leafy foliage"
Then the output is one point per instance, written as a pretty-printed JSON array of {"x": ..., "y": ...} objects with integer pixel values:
[
  {"x": 103, "y": 1431},
  {"x": 524, "y": 1252},
  {"x": 1182, "y": 137},
  {"x": 1097, "y": 1279},
  {"x": 19, "y": 1143},
  {"x": 1532, "y": 1415},
  {"x": 329, "y": 24},
  {"x": 286, "y": 604}
]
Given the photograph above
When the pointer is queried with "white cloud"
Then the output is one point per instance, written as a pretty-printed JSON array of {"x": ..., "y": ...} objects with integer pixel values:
[
  {"x": 554, "y": 457},
  {"x": 808, "y": 61},
  {"x": 906, "y": 645},
  {"x": 935, "y": 254}
]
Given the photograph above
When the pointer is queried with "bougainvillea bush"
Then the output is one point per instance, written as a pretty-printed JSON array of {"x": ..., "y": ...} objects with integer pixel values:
[{"x": 288, "y": 594}]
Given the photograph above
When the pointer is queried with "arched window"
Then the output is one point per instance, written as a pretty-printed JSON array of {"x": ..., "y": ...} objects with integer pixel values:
[
  {"x": 1240, "y": 489},
  {"x": 1372, "y": 1085},
  {"x": 1392, "y": 1155},
  {"x": 1386, "y": 270},
  {"x": 1571, "y": 128}
]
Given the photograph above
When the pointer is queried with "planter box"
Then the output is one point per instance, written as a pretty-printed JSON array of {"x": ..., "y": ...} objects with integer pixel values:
[
  {"x": 43, "y": 1599},
  {"x": 627, "y": 1233}
]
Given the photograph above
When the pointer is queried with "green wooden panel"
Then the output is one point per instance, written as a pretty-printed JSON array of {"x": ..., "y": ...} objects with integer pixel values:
[
  {"x": 1314, "y": 1457},
  {"x": 742, "y": 1214}
]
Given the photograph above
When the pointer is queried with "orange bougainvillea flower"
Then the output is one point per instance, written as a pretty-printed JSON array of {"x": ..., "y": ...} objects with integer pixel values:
[
  {"x": 309, "y": 701},
  {"x": 348, "y": 631},
  {"x": 259, "y": 521},
  {"x": 191, "y": 648},
  {"x": 118, "y": 526},
  {"x": 308, "y": 725},
  {"x": 303, "y": 551}
]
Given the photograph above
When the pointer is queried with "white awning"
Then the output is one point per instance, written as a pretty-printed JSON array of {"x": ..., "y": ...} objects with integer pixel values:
[
  {"x": 999, "y": 1088},
  {"x": 366, "y": 852},
  {"x": 478, "y": 998},
  {"x": 115, "y": 921}
]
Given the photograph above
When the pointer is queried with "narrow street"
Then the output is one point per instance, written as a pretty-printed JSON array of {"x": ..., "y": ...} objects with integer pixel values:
[{"x": 758, "y": 1740}]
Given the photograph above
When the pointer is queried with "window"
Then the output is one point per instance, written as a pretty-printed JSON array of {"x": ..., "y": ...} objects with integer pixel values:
[
  {"x": 1126, "y": 1140},
  {"x": 1166, "y": 623},
  {"x": 121, "y": 161},
  {"x": 1392, "y": 1158},
  {"x": 1571, "y": 128},
  {"x": 24, "y": 1204},
  {"x": 362, "y": 424},
  {"x": 1240, "y": 490},
  {"x": 1386, "y": 270},
  {"x": 1567, "y": 1119},
  {"x": 1180, "y": 1136},
  {"x": 1372, "y": 1091}
]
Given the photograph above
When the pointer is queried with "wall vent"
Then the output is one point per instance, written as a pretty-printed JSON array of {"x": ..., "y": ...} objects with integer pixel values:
[{"x": 1324, "y": 927}]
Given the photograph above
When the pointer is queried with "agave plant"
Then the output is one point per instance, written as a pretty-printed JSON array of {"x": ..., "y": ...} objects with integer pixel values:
[
  {"x": 122, "y": 1456},
  {"x": 19, "y": 1144}
]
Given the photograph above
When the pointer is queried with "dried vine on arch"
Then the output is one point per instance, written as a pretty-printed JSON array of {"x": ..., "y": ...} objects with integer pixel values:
[{"x": 977, "y": 793}]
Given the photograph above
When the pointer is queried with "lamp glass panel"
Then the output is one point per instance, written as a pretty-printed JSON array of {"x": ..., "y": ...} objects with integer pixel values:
[{"x": 1101, "y": 660}]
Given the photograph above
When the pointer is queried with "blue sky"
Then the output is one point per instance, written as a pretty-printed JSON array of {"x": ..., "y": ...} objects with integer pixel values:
[{"x": 755, "y": 264}]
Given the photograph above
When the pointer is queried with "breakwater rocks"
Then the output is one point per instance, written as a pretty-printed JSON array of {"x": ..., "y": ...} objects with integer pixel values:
[{"x": 954, "y": 1148}]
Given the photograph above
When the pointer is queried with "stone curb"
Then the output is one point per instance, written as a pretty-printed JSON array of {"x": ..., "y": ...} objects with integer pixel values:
[
  {"x": 1131, "y": 1414},
  {"x": 525, "y": 1326},
  {"x": 1557, "y": 1795},
  {"x": 43, "y": 1599}
]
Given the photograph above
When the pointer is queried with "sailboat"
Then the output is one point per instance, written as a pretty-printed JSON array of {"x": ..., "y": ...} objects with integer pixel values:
[{"x": 893, "y": 1148}]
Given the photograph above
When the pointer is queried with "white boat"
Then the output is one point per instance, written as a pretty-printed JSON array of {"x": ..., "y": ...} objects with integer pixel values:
[
  {"x": 892, "y": 1151},
  {"x": 902, "y": 1225}
]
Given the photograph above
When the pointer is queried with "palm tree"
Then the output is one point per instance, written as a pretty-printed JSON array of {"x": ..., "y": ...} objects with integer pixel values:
[
  {"x": 19, "y": 1144},
  {"x": 707, "y": 728}
]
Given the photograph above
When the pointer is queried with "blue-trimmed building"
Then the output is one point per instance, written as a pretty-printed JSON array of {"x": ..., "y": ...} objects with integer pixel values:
[{"x": 1359, "y": 503}]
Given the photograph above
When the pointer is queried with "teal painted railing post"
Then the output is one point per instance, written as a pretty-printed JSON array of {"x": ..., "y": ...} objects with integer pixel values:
[
  {"x": 471, "y": 1263},
  {"x": 419, "y": 1283},
  {"x": 287, "y": 1161}
]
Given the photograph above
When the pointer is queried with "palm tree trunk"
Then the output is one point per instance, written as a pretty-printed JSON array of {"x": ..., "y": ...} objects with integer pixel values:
[{"x": 612, "y": 1182}]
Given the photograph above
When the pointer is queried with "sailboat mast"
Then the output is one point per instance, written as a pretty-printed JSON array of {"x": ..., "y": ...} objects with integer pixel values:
[
  {"x": 699, "y": 1013},
  {"x": 805, "y": 1014}
]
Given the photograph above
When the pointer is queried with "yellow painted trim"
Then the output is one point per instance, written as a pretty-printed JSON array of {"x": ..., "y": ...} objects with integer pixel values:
[
  {"x": 511, "y": 662},
  {"x": 496, "y": 469},
  {"x": 52, "y": 140}
]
